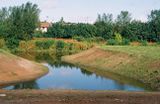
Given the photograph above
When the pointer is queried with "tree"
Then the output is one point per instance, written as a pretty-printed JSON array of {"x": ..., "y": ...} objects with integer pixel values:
[
  {"x": 122, "y": 22},
  {"x": 154, "y": 23},
  {"x": 107, "y": 18},
  {"x": 18, "y": 23},
  {"x": 104, "y": 25}
]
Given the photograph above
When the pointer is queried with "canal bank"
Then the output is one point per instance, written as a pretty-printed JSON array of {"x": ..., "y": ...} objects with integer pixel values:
[
  {"x": 138, "y": 66},
  {"x": 63, "y": 75},
  {"x": 14, "y": 69}
]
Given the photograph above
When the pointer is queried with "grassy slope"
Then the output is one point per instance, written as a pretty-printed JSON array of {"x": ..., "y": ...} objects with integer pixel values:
[
  {"x": 141, "y": 63},
  {"x": 14, "y": 69},
  {"x": 146, "y": 51}
]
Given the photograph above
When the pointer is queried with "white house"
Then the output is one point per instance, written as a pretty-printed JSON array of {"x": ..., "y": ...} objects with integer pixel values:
[{"x": 44, "y": 26}]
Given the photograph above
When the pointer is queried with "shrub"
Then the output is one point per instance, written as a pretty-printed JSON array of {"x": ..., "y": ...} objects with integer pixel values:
[
  {"x": 158, "y": 43},
  {"x": 27, "y": 45},
  {"x": 12, "y": 43},
  {"x": 144, "y": 43},
  {"x": 118, "y": 38},
  {"x": 126, "y": 42},
  {"x": 2, "y": 43},
  {"x": 60, "y": 44},
  {"x": 44, "y": 44},
  {"x": 117, "y": 41},
  {"x": 111, "y": 42},
  {"x": 38, "y": 34}
]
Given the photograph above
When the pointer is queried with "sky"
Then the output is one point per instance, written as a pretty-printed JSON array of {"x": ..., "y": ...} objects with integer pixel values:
[{"x": 86, "y": 10}]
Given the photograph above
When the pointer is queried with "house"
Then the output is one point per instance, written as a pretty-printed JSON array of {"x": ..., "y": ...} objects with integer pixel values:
[{"x": 44, "y": 26}]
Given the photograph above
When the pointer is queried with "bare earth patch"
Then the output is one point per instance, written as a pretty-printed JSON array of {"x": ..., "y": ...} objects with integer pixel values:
[
  {"x": 14, "y": 69},
  {"x": 77, "y": 97},
  {"x": 98, "y": 57}
]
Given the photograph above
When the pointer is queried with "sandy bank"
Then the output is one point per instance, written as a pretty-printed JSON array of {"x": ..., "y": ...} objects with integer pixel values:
[{"x": 14, "y": 69}]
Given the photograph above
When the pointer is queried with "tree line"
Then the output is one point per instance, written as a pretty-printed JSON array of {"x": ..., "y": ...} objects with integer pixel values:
[
  {"x": 105, "y": 27},
  {"x": 20, "y": 22}
]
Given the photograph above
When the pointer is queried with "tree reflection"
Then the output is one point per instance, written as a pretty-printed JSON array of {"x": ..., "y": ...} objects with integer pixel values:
[
  {"x": 27, "y": 85},
  {"x": 86, "y": 72}
]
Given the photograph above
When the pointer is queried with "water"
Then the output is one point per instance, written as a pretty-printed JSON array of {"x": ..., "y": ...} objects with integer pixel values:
[{"x": 65, "y": 76}]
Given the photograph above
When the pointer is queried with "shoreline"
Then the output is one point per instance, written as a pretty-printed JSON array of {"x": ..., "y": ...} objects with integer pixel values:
[
  {"x": 102, "y": 60},
  {"x": 14, "y": 69}
]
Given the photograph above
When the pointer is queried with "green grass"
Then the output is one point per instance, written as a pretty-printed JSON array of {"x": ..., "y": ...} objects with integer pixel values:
[{"x": 146, "y": 51}]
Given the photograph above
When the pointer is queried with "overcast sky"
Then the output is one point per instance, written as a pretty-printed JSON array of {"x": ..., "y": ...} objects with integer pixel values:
[{"x": 87, "y": 10}]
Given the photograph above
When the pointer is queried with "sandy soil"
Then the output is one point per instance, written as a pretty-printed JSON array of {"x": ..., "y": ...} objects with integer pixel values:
[
  {"x": 77, "y": 97},
  {"x": 15, "y": 69}
]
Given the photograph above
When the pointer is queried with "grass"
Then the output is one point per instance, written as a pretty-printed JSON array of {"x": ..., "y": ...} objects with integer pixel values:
[
  {"x": 146, "y": 66},
  {"x": 146, "y": 51}
]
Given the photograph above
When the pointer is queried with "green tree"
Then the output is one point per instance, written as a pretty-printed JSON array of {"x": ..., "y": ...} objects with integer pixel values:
[
  {"x": 154, "y": 24},
  {"x": 18, "y": 23},
  {"x": 104, "y": 25},
  {"x": 122, "y": 21}
]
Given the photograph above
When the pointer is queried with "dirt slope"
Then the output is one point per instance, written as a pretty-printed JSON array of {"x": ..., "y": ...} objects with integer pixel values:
[
  {"x": 77, "y": 97},
  {"x": 15, "y": 69},
  {"x": 98, "y": 57}
]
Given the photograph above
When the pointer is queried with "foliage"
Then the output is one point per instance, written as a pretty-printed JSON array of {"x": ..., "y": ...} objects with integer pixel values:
[
  {"x": 144, "y": 43},
  {"x": 126, "y": 42},
  {"x": 27, "y": 45},
  {"x": 2, "y": 43},
  {"x": 18, "y": 23},
  {"x": 118, "y": 38},
  {"x": 44, "y": 44},
  {"x": 12, "y": 43},
  {"x": 111, "y": 42},
  {"x": 158, "y": 43},
  {"x": 60, "y": 44},
  {"x": 154, "y": 23},
  {"x": 104, "y": 25},
  {"x": 70, "y": 30},
  {"x": 38, "y": 34}
]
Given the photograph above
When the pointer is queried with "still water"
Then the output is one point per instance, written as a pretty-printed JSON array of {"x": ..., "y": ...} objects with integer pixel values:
[{"x": 66, "y": 76}]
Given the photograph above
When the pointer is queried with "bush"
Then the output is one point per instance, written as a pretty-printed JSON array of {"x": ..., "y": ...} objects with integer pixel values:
[
  {"x": 2, "y": 43},
  {"x": 126, "y": 42},
  {"x": 158, "y": 43},
  {"x": 144, "y": 43},
  {"x": 118, "y": 38},
  {"x": 12, "y": 43},
  {"x": 27, "y": 45},
  {"x": 60, "y": 44},
  {"x": 38, "y": 34},
  {"x": 111, "y": 42},
  {"x": 44, "y": 44}
]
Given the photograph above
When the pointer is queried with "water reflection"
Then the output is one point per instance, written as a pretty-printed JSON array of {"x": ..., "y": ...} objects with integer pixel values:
[
  {"x": 66, "y": 76},
  {"x": 26, "y": 85}
]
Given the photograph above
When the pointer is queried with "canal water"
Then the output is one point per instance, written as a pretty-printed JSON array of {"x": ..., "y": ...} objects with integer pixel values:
[{"x": 66, "y": 76}]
